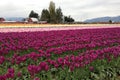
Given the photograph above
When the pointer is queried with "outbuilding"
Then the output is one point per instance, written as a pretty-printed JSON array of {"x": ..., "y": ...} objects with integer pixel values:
[
  {"x": 32, "y": 20},
  {"x": 2, "y": 19}
]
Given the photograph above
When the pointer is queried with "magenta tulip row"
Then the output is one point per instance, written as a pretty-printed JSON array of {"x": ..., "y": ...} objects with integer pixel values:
[
  {"x": 57, "y": 39},
  {"x": 55, "y": 49},
  {"x": 69, "y": 61}
]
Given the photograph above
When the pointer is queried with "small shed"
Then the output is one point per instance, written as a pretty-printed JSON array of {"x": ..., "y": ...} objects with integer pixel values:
[
  {"x": 32, "y": 20},
  {"x": 2, "y": 19}
]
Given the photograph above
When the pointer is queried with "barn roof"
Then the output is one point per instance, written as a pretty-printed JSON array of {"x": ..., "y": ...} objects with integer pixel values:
[{"x": 34, "y": 19}]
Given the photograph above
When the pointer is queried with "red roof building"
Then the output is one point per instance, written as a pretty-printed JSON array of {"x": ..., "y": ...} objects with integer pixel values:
[
  {"x": 31, "y": 20},
  {"x": 2, "y": 19}
]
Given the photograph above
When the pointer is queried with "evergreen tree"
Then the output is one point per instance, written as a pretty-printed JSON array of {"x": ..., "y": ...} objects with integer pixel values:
[
  {"x": 51, "y": 15},
  {"x": 59, "y": 15},
  {"x": 110, "y": 21},
  {"x": 52, "y": 12},
  {"x": 45, "y": 16},
  {"x": 68, "y": 19},
  {"x": 33, "y": 14}
]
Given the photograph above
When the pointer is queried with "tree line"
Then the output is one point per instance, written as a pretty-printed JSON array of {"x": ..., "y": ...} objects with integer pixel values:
[{"x": 52, "y": 15}]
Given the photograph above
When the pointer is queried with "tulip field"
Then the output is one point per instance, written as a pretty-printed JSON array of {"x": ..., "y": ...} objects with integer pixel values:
[{"x": 79, "y": 54}]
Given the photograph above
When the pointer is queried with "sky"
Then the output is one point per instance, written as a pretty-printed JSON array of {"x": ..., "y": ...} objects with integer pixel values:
[{"x": 80, "y": 10}]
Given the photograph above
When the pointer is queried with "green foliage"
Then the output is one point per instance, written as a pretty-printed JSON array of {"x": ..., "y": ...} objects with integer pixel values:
[
  {"x": 59, "y": 15},
  {"x": 104, "y": 70},
  {"x": 33, "y": 14},
  {"x": 68, "y": 19},
  {"x": 110, "y": 21},
  {"x": 51, "y": 15},
  {"x": 52, "y": 12},
  {"x": 45, "y": 16}
]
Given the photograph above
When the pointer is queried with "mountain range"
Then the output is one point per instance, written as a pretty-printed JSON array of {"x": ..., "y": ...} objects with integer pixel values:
[
  {"x": 14, "y": 18},
  {"x": 99, "y": 19},
  {"x": 103, "y": 19}
]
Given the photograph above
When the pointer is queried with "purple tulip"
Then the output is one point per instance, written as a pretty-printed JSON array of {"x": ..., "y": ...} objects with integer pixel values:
[
  {"x": 36, "y": 78},
  {"x": 19, "y": 74},
  {"x": 2, "y": 59},
  {"x": 11, "y": 70},
  {"x": 91, "y": 68},
  {"x": 72, "y": 68},
  {"x": 2, "y": 77}
]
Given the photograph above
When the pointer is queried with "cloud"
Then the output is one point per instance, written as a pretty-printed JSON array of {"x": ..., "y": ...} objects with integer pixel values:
[{"x": 78, "y": 9}]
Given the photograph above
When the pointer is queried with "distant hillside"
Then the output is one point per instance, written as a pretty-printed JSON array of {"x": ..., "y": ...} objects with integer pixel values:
[
  {"x": 104, "y": 19},
  {"x": 14, "y": 19}
]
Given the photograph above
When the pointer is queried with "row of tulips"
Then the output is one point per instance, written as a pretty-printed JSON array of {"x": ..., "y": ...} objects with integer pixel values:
[
  {"x": 70, "y": 61},
  {"x": 45, "y": 40},
  {"x": 32, "y": 54},
  {"x": 73, "y": 61},
  {"x": 35, "y": 56}
]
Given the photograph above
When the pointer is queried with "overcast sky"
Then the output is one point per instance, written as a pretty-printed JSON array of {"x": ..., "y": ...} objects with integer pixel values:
[{"x": 79, "y": 9}]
